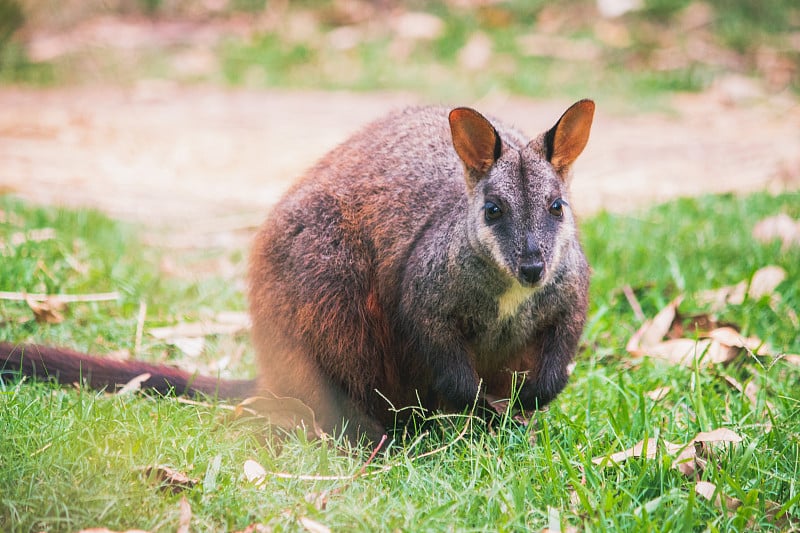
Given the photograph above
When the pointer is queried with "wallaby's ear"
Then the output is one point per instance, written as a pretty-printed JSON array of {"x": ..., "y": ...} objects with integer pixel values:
[
  {"x": 476, "y": 142},
  {"x": 566, "y": 140}
]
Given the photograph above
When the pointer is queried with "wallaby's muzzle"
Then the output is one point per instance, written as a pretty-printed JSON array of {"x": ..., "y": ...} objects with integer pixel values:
[{"x": 531, "y": 273}]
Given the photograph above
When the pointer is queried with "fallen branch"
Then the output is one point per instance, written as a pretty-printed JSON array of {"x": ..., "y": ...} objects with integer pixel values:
[{"x": 64, "y": 298}]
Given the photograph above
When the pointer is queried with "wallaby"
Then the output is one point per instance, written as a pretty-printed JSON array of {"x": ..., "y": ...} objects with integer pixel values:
[{"x": 430, "y": 260}]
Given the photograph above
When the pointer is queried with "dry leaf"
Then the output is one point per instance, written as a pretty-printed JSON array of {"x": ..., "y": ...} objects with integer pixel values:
[
  {"x": 720, "y": 345},
  {"x": 169, "y": 478},
  {"x": 728, "y": 336},
  {"x": 185, "y": 516},
  {"x": 707, "y": 491},
  {"x": 750, "y": 390},
  {"x": 717, "y": 435},
  {"x": 719, "y": 299},
  {"x": 134, "y": 384},
  {"x": 47, "y": 311},
  {"x": 688, "y": 352},
  {"x": 254, "y": 473},
  {"x": 312, "y": 525},
  {"x": 782, "y": 227},
  {"x": 659, "y": 393},
  {"x": 791, "y": 359},
  {"x": 654, "y": 330},
  {"x": 648, "y": 448},
  {"x": 765, "y": 280},
  {"x": 283, "y": 412},
  {"x": 690, "y": 456}
]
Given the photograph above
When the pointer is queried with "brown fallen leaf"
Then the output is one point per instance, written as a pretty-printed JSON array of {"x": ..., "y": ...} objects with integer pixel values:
[
  {"x": 659, "y": 393},
  {"x": 169, "y": 478},
  {"x": 727, "y": 336},
  {"x": 312, "y": 525},
  {"x": 47, "y": 311},
  {"x": 254, "y": 472},
  {"x": 688, "y": 458},
  {"x": 762, "y": 283},
  {"x": 719, "y": 299},
  {"x": 792, "y": 359},
  {"x": 283, "y": 412},
  {"x": 185, "y": 516},
  {"x": 716, "y": 436},
  {"x": 654, "y": 330},
  {"x": 646, "y": 449},
  {"x": 133, "y": 385},
  {"x": 720, "y": 345},
  {"x": 687, "y": 352},
  {"x": 707, "y": 490},
  {"x": 781, "y": 227},
  {"x": 765, "y": 280}
]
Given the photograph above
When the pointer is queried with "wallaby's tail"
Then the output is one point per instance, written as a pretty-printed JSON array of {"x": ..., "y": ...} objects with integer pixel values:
[{"x": 68, "y": 366}]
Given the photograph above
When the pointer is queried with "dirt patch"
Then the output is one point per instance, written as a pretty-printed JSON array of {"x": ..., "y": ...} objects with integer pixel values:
[{"x": 203, "y": 158}]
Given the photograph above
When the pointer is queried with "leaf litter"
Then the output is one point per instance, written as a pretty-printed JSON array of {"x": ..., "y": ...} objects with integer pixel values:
[
  {"x": 704, "y": 343},
  {"x": 707, "y": 342}
]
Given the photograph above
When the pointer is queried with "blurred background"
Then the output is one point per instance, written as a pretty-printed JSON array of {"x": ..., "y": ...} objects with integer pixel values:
[
  {"x": 456, "y": 48},
  {"x": 161, "y": 109}
]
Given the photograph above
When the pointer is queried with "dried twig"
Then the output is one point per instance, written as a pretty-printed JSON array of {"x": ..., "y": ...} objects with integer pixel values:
[
  {"x": 64, "y": 298},
  {"x": 137, "y": 343},
  {"x": 634, "y": 303}
]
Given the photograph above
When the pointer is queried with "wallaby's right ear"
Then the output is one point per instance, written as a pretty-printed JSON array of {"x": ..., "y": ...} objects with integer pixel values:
[
  {"x": 566, "y": 140},
  {"x": 476, "y": 141}
]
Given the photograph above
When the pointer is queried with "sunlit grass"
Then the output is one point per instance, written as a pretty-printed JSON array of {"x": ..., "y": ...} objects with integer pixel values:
[{"x": 74, "y": 459}]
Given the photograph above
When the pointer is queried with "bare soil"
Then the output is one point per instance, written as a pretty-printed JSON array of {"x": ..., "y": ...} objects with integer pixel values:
[{"x": 200, "y": 158}]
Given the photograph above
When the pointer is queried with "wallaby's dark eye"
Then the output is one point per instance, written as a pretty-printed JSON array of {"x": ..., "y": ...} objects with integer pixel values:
[
  {"x": 491, "y": 211},
  {"x": 557, "y": 208}
]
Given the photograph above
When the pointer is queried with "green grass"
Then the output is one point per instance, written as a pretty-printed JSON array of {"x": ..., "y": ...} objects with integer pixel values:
[{"x": 73, "y": 459}]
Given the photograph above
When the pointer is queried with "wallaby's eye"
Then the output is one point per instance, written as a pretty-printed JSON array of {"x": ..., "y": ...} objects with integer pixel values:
[
  {"x": 557, "y": 208},
  {"x": 491, "y": 211}
]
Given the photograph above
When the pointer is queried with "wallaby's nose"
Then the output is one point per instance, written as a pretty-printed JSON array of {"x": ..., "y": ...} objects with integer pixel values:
[{"x": 531, "y": 273}]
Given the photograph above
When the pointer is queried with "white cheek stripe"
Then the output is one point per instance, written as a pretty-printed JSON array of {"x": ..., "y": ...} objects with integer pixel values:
[{"x": 487, "y": 238}]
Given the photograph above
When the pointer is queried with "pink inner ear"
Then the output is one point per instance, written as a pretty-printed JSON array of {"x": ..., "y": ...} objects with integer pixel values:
[
  {"x": 572, "y": 134},
  {"x": 474, "y": 138}
]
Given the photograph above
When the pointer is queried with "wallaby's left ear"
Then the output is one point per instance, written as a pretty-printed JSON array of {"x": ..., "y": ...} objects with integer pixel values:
[
  {"x": 476, "y": 141},
  {"x": 566, "y": 140}
]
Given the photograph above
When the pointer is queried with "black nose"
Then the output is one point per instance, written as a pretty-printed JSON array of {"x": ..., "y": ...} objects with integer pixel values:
[{"x": 531, "y": 273}]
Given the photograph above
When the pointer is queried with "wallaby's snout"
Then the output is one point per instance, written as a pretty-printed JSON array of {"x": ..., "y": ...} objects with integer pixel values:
[
  {"x": 532, "y": 266},
  {"x": 531, "y": 273}
]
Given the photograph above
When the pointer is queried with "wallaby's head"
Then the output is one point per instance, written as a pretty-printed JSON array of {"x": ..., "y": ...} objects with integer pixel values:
[{"x": 519, "y": 213}]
